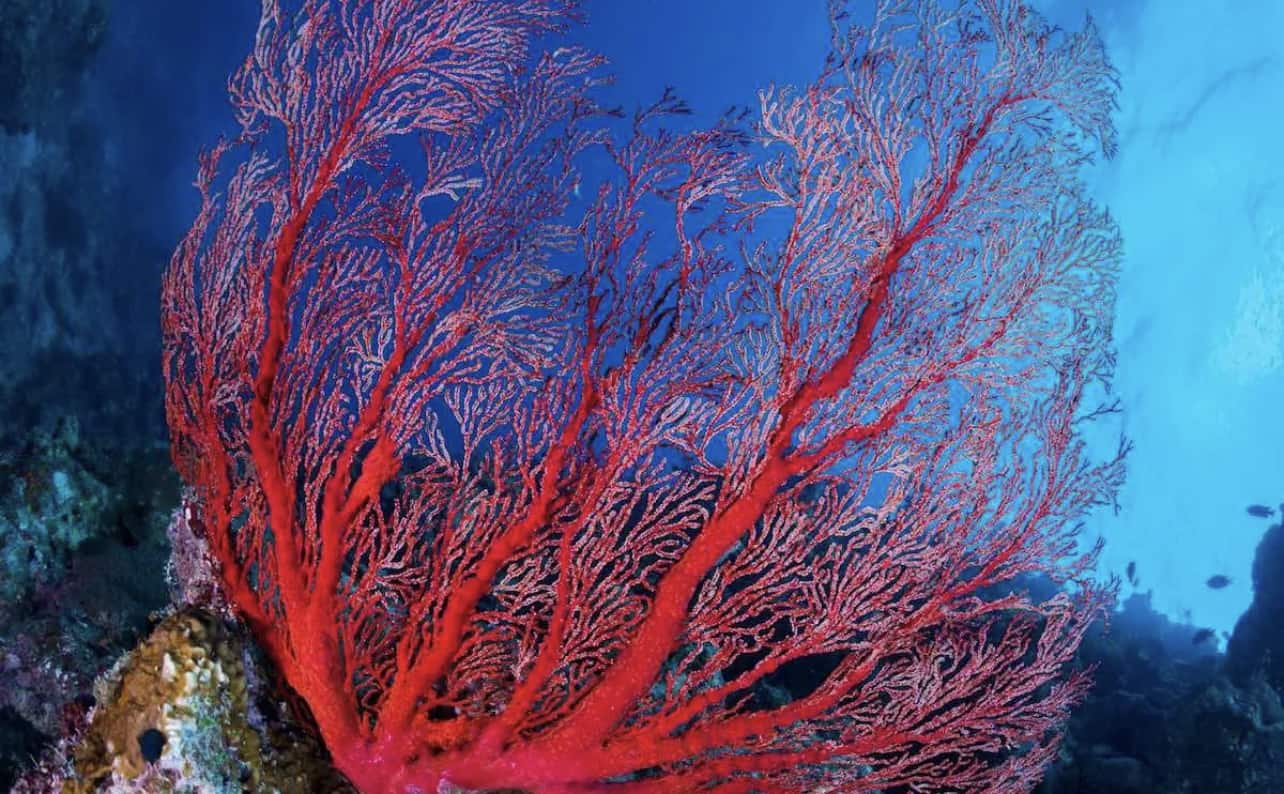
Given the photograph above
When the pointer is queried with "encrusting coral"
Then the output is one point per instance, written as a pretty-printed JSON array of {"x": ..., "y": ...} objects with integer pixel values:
[{"x": 190, "y": 710}]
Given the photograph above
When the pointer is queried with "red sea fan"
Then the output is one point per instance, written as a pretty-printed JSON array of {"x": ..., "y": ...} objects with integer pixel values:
[{"x": 719, "y": 477}]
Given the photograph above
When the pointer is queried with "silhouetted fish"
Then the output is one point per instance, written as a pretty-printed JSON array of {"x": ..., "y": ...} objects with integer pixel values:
[
  {"x": 1132, "y": 573},
  {"x": 1260, "y": 511},
  {"x": 1202, "y": 636},
  {"x": 1218, "y": 582}
]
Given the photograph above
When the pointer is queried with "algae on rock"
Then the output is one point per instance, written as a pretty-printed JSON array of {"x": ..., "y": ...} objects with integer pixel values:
[{"x": 197, "y": 682}]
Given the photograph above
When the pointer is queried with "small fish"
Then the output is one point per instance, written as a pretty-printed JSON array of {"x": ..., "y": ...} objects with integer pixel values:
[
  {"x": 1202, "y": 636},
  {"x": 1218, "y": 581},
  {"x": 1260, "y": 511},
  {"x": 1132, "y": 573}
]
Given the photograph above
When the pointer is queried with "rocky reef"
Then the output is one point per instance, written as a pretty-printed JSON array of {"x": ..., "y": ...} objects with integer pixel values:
[
  {"x": 189, "y": 709},
  {"x": 85, "y": 483},
  {"x": 1170, "y": 714},
  {"x": 1256, "y": 649},
  {"x": 82, "y": 555},
  {"x": 194, "y": 706}
]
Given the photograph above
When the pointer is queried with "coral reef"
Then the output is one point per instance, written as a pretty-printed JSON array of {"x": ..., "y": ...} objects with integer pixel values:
[
  {"x": 19, "y": 743},
  {"x": 84, "y": 497},
  {"x": 85, "y": 486},
  {"x": 192, "y": 571},
  {"x": 62, "y": 499},
  {"x": 49, "y": 506},
  {"x": 83, "y": 548},
  {"x": 1169, "y": 717},
  {"x": 1257, "y": 646},
  {"x": 188, "y": 710}
]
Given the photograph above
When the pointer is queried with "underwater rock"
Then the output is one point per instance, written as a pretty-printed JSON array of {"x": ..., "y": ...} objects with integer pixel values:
[
  {"x": 82, "y": 550},
  {"x": 62, "y": 500},
  {"x": 190, "y": 709},
  {"x": 1164, "y": 717},
  {"x": 192, "y": 572},
  {"x": 1256, "y": 647},
  {"x": 19, "y": 742},
  {"x": 1231, "y": 739},
  {"x": 50, "y": 504},
  {"x": 72, "y": 630}
]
